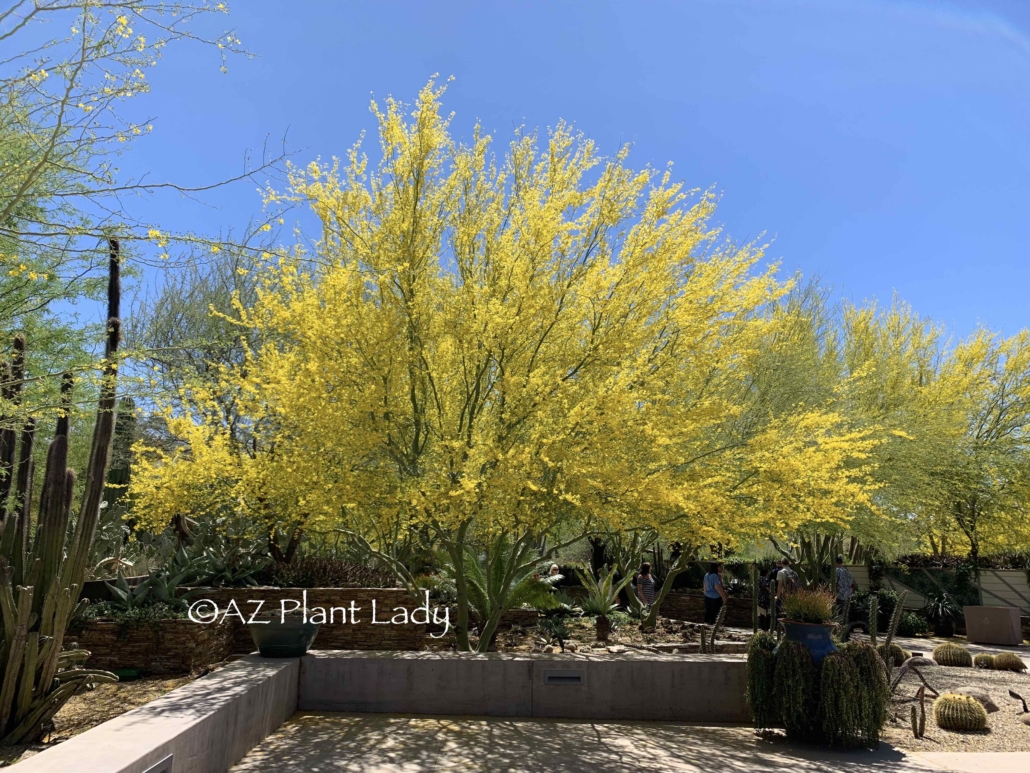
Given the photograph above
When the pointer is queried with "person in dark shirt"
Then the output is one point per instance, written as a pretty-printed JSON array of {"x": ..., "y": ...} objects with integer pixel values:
[{"x": 715, "y": 593}]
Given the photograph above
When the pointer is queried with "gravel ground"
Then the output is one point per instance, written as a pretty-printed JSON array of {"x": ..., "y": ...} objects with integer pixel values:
[
  {"x": 1005, "y": 733},
  {"x": 92, "y": 708}
]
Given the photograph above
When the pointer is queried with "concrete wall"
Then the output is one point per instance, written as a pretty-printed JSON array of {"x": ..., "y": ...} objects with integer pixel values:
[
  {"x": 207, "y": 725},
  {"x": 706, "y": 688}
]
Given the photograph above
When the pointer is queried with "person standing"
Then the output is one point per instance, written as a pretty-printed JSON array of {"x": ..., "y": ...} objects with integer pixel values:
[
  {"x": 786, "y": 583},
  {"x": 715, "y": 593},
  {"x": 845, "y": 585},
  {"x": 645, "y": 585}
]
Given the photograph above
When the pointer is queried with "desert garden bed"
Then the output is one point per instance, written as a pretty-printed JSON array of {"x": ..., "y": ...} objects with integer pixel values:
[{"x": 1005, "y": 732}]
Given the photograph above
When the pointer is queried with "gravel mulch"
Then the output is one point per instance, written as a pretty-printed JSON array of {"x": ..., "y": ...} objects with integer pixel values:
[
  {"x": 1005, "y": 733},
  {"x": 92, "y": 708}
]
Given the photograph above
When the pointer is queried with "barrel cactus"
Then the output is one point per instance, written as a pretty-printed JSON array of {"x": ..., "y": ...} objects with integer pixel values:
[
  {"x": 983, "y": 660},
  {"x": 898, "y": 655},
  {"x": 954, "y": 655},
  {"x": 1009, "y": 661},
  {"x": 959, "y": 712}
]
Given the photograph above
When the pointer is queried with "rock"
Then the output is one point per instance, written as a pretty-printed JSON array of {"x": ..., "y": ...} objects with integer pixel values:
[
  {"x": 571, "y": 647},
  {"x": 549, "y": 648},
  {"x": 921, "y": 662},
  {"x": 615, "y": 649},
  {"x": 982, "y": 697},
  {"x": 1025, "y": 719}
]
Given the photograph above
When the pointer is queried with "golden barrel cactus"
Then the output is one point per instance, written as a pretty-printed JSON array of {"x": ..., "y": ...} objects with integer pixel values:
[
  {"x": 1009, "y": 661},
  {"x": 983, "y": 660},
  {"x": 954, "y": 655},
  {"x": 959, "y": 712}
]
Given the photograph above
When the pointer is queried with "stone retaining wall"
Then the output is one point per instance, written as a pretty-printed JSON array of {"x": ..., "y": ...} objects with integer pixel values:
[
  {"x": 181, "y": 646},
  {"x": 161, "y": 647},
  {"x": 690, "y": 606},
  {"x": 363, "y": 635}
]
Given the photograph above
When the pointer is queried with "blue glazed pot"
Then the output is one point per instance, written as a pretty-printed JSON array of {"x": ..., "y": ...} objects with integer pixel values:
[
  {"x": 815, "y": 636},
  {"x": 283, "y": 639}
]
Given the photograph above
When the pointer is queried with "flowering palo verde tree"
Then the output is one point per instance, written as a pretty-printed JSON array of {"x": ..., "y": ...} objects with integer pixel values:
[{"x": 499, "y": 347}]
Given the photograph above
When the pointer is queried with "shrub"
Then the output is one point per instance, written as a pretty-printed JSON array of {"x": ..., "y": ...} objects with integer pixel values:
[
  {"x": 808, "y": 606},
  {"x": 954, "y": 655},
  {"x": 318, "y": 572},
  {"x": 796, "y": 688},
  {"x": 761, "y": 674},
  {"x": 959, "y": 712},
  {"x": 912, "y": 624},
  {"x": 1009, "y": 661},
  {"x": 983, "y": 660}
]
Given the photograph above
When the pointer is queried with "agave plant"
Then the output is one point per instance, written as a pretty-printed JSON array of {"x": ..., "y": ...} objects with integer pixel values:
[{"x": 602, "y": 597}]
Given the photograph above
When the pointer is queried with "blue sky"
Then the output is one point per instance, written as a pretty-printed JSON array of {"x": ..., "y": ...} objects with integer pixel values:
[{"x": 881, "y": 145}]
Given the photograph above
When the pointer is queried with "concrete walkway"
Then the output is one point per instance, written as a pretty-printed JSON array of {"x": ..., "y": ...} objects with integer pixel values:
[{"x": 384, "y": 743}]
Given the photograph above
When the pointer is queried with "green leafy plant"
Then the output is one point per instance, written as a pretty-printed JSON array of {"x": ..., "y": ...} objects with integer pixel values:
[
  {"x": 761, "y": 674},
  {"x": 808, "y": 606},
  {"x": 961, "y": 713},
  {"x": 555, "y": 629},
  {"x": 912, "y": 624},
  {"x": 941, "y": 608}
]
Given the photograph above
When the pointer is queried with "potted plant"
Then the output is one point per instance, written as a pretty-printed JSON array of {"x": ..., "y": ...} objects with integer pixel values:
[
  {"x": 286, "y": 635},
  {"x": 808, "y": 619},
  {"x": 942, "y": 611}
]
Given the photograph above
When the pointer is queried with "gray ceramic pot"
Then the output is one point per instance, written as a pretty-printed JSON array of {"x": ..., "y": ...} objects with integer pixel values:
[{"x": 278, "y": 638}]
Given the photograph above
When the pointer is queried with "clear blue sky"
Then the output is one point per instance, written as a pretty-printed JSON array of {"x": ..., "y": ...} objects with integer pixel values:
[{"x": 882, "y": 145}]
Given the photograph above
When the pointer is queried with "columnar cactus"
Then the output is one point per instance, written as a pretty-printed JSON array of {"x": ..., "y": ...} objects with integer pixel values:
[
  {"x": 41, "y": 576},
  {"x": 1009, "y": 661},
  {"x": 954, "y": 655},
  {"x": 919, "y": 718},
  {"x": 959, "y": 712}
]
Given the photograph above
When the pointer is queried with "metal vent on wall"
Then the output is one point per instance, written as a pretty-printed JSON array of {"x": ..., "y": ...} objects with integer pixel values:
[
  {"x": 164, "y": 766},
  {"x": 563, "y": 677}
]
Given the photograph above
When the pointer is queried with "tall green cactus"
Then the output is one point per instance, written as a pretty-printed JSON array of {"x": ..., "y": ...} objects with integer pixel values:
[{"x": 41, "y": 574}]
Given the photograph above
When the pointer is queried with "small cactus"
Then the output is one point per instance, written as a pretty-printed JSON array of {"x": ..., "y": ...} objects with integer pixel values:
[
  {"x": 898, "y": 655},
  {"x": 983, "y": 660},
  {"x": 1008, "y": 661},
  {"x": 959, "y": 712},
  {"x": 954, "y": 655},
  {"x": 919, "y": 719}
]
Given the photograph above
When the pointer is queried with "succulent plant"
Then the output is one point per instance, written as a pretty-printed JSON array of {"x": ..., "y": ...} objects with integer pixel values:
[
  {"x": 919, "y": 717},
  {"x": 983, "y": 660},
  {"x": 1009, "y": 661},
  {"x": 898, "y": 655},
  {"x": 959, "y": 712},
  {"x": 42, "y": 567},
  {"x": 954, "y": 655}
]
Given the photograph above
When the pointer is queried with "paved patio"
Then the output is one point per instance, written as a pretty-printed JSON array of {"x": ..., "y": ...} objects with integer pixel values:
[{"x": 384, "y": 743}]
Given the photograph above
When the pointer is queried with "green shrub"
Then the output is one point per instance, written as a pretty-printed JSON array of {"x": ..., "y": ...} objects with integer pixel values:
[
  {"x": 954, "y": 655},
  {"x": 761, "y": 675},
  {"x": 959, "y": 712},
  {"x": 912, "y": 624},
  {"x": 808, "y": 606},
  {"x": 796, "y": 687}
]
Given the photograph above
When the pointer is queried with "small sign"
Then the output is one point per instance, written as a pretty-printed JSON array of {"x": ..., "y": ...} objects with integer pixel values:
[{"x": 164, "y": 766}]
